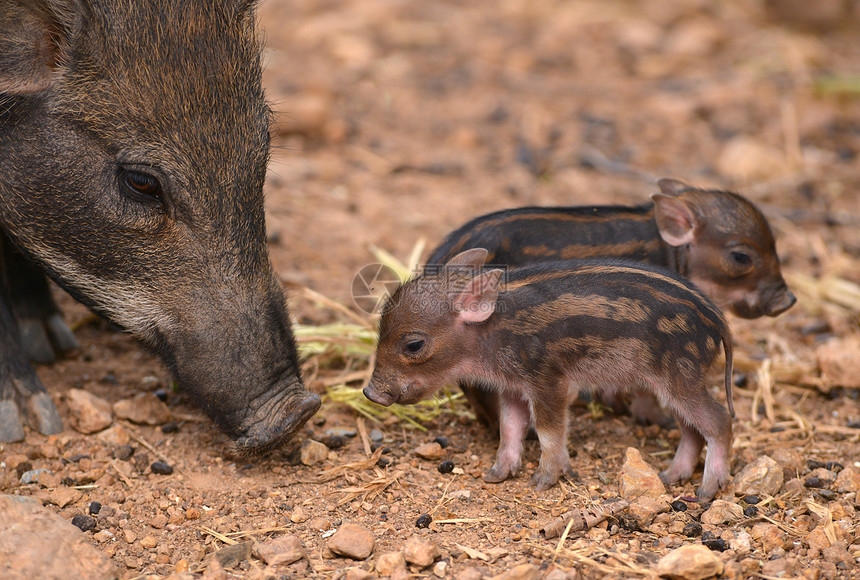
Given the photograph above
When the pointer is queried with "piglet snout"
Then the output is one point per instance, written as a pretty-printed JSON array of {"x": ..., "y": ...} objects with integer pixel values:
[{"x": 377, "y": 396}]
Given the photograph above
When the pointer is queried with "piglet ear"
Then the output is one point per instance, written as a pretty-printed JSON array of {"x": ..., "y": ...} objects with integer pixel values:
[
  {"x": 675, "y": 220},
  {"x": 671, "y": 186},
  {"x": 477, "y": 301},
  {"x": 474, "y": 258}
]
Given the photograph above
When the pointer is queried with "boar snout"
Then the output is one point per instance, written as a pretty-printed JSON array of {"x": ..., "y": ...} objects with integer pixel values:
[
  {"x": 276, "y": 419},
  {"x": 783, "y": 300},
  {"x": 377, "y": 396}
]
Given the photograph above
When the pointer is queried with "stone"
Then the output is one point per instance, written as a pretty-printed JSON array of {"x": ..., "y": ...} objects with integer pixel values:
[
  {"x": 839, "y": 363},
  {"x": 284, "y": 550},
  {"x": 430, "y": 450},
  {"x": 87, "y": 412},
  {"x": 779, "y": 568},
  {"x": 639, "y": 479},
  {"x": 520, "y": 572},
  {"x": 63, "y": 496},
  {"x": 230, "y": 556},
  {"x": 691, "y": 562},
  {"x": 646, "y": 508},
  {"x": 420, "y": 551},
  {"x": 358, "y": 574},
  {"x": 440, "y": 569},
  {"x": 742, "y": 543},
  {"x": 159, "y": 521},
  {"x": 37, "y": 543},
  {"x": 470, "y": 573},
  {"x": 149, "y": 542},
  {"x": 817, "y": 541},
  {"x": 390, "y": 562},
  {"x": 299, "y": 515},
  {"x": 770, "y": 535},
  {"x": 847, "y": 481},
  {"x": 837, "y": 553},
  {"x": 143, "y": 409},
  {"x": 319, "y": 524},
  {"x": 313, "y": 452},
  {"x": 352, "y": 541},
  {"x": 762, "y": 476},
  {"x": 722, "y": 512}
]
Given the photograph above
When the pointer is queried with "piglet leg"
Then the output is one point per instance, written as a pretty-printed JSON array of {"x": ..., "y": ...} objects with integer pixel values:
[
  {"x": 513, "y": 424},
  {"x": 550, "y": 414},
  {"x": 686, "y": 457}
]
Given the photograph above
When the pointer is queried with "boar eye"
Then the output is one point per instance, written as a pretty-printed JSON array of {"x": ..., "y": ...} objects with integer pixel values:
[
  {"x": 414, "y": 346},
  {"x": 741, "y": 258},
  {"x": 140, "y": 186}
]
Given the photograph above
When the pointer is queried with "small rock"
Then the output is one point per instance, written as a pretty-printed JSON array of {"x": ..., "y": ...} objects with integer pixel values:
[
  {"x": 679, "y": 506},
  {"x": 693, "y": 530},
  {"x": 352, "y": 541},
  {"x": 750, "y": 511},
  {"x": 638, "y": 479},
  {"x": 646, "y": 508},
  {"x": 341, "y": 432},
  {"x": 430, "y": 451},
  {"x": 440, "y": 568},
  {"x": 161, "y": 468},
  {"x": 129, "y": 536},
  {"x": 838, "y": 554},
  {"x": 159, "y": 521},
  {"x": 84, "y": 522},
  {"x": 752, "y": 499},
  {"x": 470, "y": 573},
  {"x": 847, "y": 481},
  {"x": 376, "y": 436},
  {"x": 123, "y": 452},
  {"x": 817, "y": 541},
  {"x": 691, "y": 562},
  {"x": 230, "y": 556},
  {"x": 423, "y": 521},
  {"x": 148, "y": 542},
  {"x": 390, "y": 563},
  {"x": 299, "y": 515},
  {"x": 87, "y": 412},
  {"x": 446, "y": 466},
  {"x": 32, "y": 476},
  {"x": 63, "y": 496},
  {"x": 284, "y": 550},
  {"x": 742, "y": 543},
  {"x": 319, "y": 524},
  {"x": 313, "y": 452},
  {"x": 143, "y": 409},
  {"x": 839, "y": 363},
  {"x": 722, "y": 512},
  {"x": 37, "y": 543},
  {"x": 420, "y": 552},
  {"x": 770, "y": 535},
  {"x": 763, "y": 476},
  {"x": 779, "y": 568},
  {"x": 358, "y": 574},
  {"x": 95, "y": 508},
  {"x": 521, "y": 572}
]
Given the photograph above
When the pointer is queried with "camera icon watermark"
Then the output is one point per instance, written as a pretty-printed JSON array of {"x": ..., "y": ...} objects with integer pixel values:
[{"x": 372, "y": 286}]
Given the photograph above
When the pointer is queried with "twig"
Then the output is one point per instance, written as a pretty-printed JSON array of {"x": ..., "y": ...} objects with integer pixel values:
[
  {"x": 583, "y": 519},
  {"x": 125, "y": 479},
  {"x": 139, "y": 438}
]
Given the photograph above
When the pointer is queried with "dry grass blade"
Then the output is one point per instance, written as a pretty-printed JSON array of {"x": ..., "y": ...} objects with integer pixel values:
[
  {"x": 218, "y": 535},
  {"x": 423, "y": 411},
  {"x": 337, "y": 338},
  {"x": 327, "y": 302},
  {"x": 139, "y": 438},
  {"x": 369, "y": 490},
  {"x": 403, "y": 271},
  {"x": 764, "y": 393},
  {"x": 817, "y": 292},
  {"x": 337, "y": 471}
]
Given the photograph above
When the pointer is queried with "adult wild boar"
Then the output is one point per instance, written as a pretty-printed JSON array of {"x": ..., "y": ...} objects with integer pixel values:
[{"x": 134, "y": 140}]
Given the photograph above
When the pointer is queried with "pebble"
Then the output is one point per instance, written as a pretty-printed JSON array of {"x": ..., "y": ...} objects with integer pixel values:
[
  {"x": 814, "y": 482},
  {"x": 230, "y": 556},
  {"x": 722, "y": 512},
  {"x": 839, "y": 363},
  {"x": 470, "y": 573},
  {"x": 779, "y": 568},
  {"x": 742, "y": 543},
  {"x": 341, "y": 432},
  {"x": 161, "y": 468},
  {"x": 148, "y": 542},
  {"x": 159, "y": 521},
  {"x": 847, "y": 481},
  {"x": 390, "y": 563},
  {"x": 383, "y": 462},
  {"x": 284, "y": 550},
  {"x": 32, "y": 476},
  {"x": 638, "y": 479},
  {"x": 299, "y": 515},
  {"x": 817, "y": 541},
  {"x": 352, "y": 541},
  {"x": 440, "y": 569},
  {"x": 521, "y": 572},
  {"x": 423, "y": 521},
  {"x": 319, "y": 524},
  {"x": 762, "y": 476},
  {"x": 170, "y": 427},
  {"x": 770, "y": 535},
  {"x": 63, "y": 496},
  {"x": 751, "y": 511},
  {"x": 313, "y": 452},
  {"x": 123, "y": 452},
  {"x": 95, "y": 508},
  {"x": 430, "y": 451},
  {"x": 446, "y": 466},
  {"x": 335, "y": 441},
  {"x": 376, "y": 436},
  {"x": 646, "y": 508},
  {"x": 752, "y": 499},
  {"x": 420, "y": 552},
  {"x": 129, "y": 536},
  {"x": 358, "y": 574},
  {"x": 143, "y": 409},
  {"x": 84, "y": 522},
  {"x": 87, "y": 412},
  {"x": 693, "y": 530},
  {"x": 46, "y": 545},
  {"x": 692, "y": 562},
  {"x": 679, "y": 506}
]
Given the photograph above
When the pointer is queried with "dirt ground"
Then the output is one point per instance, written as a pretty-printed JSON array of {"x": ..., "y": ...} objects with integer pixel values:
[{"x": 398, "y": 121}]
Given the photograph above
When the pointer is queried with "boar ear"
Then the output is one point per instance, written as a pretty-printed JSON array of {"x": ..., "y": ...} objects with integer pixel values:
[
  {"x": 474, "y": 258},
  {"x": 675, "y": 220},
  {"x": 671, "y": 186},
  {"x": 477, "y": 301},
  {"x": 33, "y": 38}
]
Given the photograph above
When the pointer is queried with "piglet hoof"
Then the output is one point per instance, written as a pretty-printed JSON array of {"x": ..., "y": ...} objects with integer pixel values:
[
  {"x": 35, "y": 341},
  {"x": 11, "y": 428},
  {"x": 43, "y": 415},
  {"x": 61, "y": 335},
  {"x": 670, "y": 477},
  {"x": 543, "y": 480},
  {"x": 710, "y": 487},
  {"x": 499, "y": 473}
]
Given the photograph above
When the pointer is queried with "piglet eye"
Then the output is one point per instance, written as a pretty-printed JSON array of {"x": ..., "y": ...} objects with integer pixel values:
[
  {"x": 741, "y": 258},
  {"x": 414, "y": 346}
]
